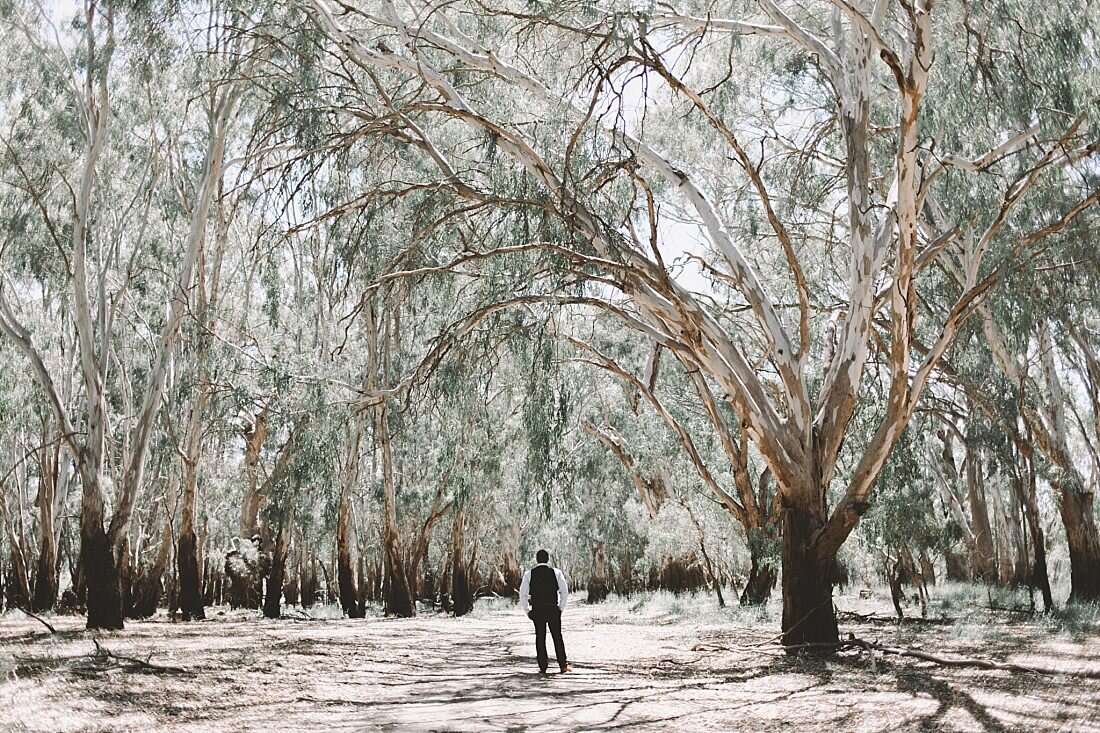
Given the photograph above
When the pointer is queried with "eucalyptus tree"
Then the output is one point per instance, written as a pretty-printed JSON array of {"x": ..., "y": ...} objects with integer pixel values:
[
  {"x": 14, "y": 499},
  {"x": 1053, "y": 420},
  {"x": 34, "y": 483},
  {"x": 697, "y": 432},
  {"x": 102, "y": 228},
  {"x": 1050, "y": 288},
  {"x": 205, "y": 373},
  {"x": 906, "y": 527},
  {"x": 854, "y": 257}
]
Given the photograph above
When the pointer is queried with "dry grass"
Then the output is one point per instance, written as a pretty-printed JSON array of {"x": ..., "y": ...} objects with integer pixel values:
[{"x": 635, "y": 670}]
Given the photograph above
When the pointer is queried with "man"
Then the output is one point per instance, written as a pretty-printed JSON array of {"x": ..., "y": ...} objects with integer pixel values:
[{"x": 548, "y": 590}]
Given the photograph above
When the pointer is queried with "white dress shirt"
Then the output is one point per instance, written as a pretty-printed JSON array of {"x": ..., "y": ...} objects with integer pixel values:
[{"x": 525, "y": 590}]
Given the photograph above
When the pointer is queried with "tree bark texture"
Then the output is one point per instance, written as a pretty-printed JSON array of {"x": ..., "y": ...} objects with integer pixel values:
[
  {"x": 984, "y": 558},
  {"x": 100, "y": 573},
  {"x": 191, "y": 602},
  {"x": 274, "y": 594},
  {"x": 45, "y": 578},
  {"x": 1076, "y": 508},
  {"x": 462, "y": 599},
  {"x": 597, "y": 578},
  {"x": 808, "y": 614},
  {"x": 345, "y": 563}
]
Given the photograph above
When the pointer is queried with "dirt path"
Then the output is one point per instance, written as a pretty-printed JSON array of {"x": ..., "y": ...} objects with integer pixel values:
[{"x": 436, "y": 673}]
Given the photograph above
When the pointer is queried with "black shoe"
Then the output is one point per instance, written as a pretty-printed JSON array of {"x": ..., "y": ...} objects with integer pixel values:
[
  {"x": 566, "y": 668},
  {"x": 542, "y": 671}
]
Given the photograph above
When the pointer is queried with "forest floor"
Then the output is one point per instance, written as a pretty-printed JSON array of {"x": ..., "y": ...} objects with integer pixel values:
[{"x": 655, "y": 664}]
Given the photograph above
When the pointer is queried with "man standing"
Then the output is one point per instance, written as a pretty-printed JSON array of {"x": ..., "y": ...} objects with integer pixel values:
[{"x": 548, "y": 590}]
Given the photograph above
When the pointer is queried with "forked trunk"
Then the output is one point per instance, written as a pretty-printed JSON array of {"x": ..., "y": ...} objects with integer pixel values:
[
  {"x": 758, "y": 587},
  {"x": 984, "y": 559},
  {"x": 273, "y": 597},
  {"x": 147, "y": 582},
  {"x": 927, "y": 569},
  {"x": 808, "y": 614},
  {"x": 1025, "y": 487},
  {"x": 397, "y": 592},
  {"x": 1039, "y": 576},
  {"x": 345, "y": 566}
]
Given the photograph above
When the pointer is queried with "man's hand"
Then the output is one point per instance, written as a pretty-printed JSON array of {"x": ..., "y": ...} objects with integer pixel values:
[{"x": 530, "y": 615}]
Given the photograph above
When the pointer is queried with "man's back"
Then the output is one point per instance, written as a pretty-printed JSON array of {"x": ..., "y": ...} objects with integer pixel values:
[{"x": 544, "y": 586}]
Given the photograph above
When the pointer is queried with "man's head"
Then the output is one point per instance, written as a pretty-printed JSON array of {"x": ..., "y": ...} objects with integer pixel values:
[{"x": 542, "y": 556}]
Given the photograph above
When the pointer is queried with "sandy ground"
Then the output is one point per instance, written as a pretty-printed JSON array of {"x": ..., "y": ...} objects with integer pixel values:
[{"x": 434, "y": 673}]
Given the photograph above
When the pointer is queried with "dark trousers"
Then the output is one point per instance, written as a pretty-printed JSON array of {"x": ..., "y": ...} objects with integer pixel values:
[{"x": 544, "y": 616}]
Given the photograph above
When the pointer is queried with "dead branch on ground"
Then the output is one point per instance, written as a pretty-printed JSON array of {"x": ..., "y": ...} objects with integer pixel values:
[
  {"x": 104, "y": 660},
  {"x": 40, "y": 620},
  {"x": 872, "y": 618}
]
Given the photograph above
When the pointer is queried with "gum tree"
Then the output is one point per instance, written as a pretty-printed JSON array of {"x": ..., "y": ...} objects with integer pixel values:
[
  {"x": 95, "y": 250},
  {"x": 853, "y": 263}
]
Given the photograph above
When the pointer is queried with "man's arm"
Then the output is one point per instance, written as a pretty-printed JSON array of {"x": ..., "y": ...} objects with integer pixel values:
[
  {"x": 563, "y": 589},
  {"x": 524, "y": 591}
]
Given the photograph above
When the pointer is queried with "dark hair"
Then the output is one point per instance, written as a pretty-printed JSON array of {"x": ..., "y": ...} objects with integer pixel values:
[{"x": 542, "y": 556}]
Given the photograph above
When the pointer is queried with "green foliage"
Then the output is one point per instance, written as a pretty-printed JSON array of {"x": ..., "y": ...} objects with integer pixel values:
[
  {"x": 546, "y": 413},
  {"x": 905, "y": 515}
]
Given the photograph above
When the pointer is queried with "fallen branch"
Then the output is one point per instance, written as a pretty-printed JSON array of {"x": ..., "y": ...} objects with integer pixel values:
[
  {"x": 1008, "y": 609},
  {"x": 40, "y": 620},
  {"x": 865, "y": 618},
  {"x": 701, "y": 647},
  {"x": 299, "y": 615},
  {"x": 968, "y": 662},
  {"x": 102, "y": 655},
  {"x": 669, "y": 660}
]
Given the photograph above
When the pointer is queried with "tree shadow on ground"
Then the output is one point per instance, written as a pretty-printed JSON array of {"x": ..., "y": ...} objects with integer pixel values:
[
  {"x": 949, "y": 697},
  {"x": 439, "y": 674}
]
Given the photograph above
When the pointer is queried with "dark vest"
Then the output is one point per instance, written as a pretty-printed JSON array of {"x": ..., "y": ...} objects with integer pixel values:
[{"x": 544, "y": 586}]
